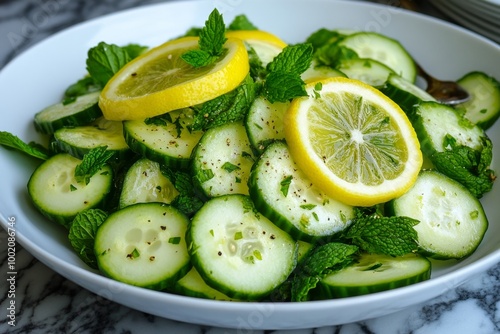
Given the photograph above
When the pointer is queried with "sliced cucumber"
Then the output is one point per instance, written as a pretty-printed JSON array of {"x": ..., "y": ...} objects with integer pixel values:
[
  {"x": 374, "y": 273},
  {"x": 57, "y": 194},
  {"x": 237, "y": 251},
  {"x": 406, "y": 94},
  {"x": 194, "y": 286},
  {"x": 222, "y": 160},
  {"x": 433, "y": 122},
  {"x": 82, "y": 111},
  {"x": 264, "y": 122},
  {"x": 144, "y": 245},
  {"x": 452, "y": 220},
  {"x": 315, "y": 72},
  {"x": 384, "y": 49},
  {"x": 483, "y": 108},
  {"x": 283, "y": 194},
  {"x": 166, "y": 140},
  {"x": 369, "y": 71},
  {"x": 78, "y": 141},
  {"x": 144, "y": 182}
]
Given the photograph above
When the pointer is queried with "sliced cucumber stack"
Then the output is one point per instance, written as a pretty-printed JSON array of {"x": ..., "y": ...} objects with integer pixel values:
[
  {"x": 144, "y": 245},
  {"x": 315, "y": 72},
  {"x": 57, "y": 194},
  {"x": 78, "y": 141},
  {"x": 283, "y": 194},
  {"x": 264, "y": 122},
  {"x": 194, "y": 286},
  {"x": 222, "y": 160},
  {"x": 82, "y": 111},
  {"x": 483, "y": 108},
  {"x": 384, "y": 49},
  {"x": 166, "y": 140},
  {"x": 452, "y": 220},
  {"x": 238, "y": 251},
  {"x": 144, "y": 182},
  {"x": 374, "y": 273},
  {"x": 434, "y": 121},
  {"x": 370, "y": 71},
  {"x": 406, "y": 94}
]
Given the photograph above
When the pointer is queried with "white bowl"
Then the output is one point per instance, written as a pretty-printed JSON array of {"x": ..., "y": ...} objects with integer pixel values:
[{"x": 48, "y": 68}]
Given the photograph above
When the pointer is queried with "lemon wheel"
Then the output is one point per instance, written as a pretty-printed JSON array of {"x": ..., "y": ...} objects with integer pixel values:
[
  {"x": 353, "y": 142},
  {"x": 161, "y": 81}
]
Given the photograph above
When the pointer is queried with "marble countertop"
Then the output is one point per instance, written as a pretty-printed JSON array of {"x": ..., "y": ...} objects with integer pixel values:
[{"x": 49, "y": 303}]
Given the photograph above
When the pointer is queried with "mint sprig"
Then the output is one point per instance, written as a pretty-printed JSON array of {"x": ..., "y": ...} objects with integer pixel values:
[
  {"x": 92, "y": 163},
  {"x": 283, "y": 81},
  {"x": 9, "y": 140},
  {"x": 211, "y": 41},
  {"x": 393, "y": 236},
  {"x": 104, "y": 60}
]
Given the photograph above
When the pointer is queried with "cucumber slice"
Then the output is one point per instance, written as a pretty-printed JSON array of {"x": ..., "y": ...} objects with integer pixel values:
[
  {"x": 406, "y": 94},
  {"x": 384, "y": 49},
  {"x": 166, "y": 140},
  {"x": 144, "y": 182},
  {"x": 222, "y": 160},
  {"x": 483, "y": 108},
  {"x": 315, "y": 72},
  {"x": 283, "y": 194},
  {"x": 264, "y": 122},
  {"x": 433, "y": 122},
  {"x": 374, "y": 273},
  {"x": 194, "y": 286},
  {"x": 57, "y": 194},
  {"x": 78, "y": 141},
  {"x": 370, "y": 71},
  {"x": 80, "y": 112},
  {"x": 237, "y": 251},
  {"x": 144, "y": 245},
  {"x": 452, "y": 220}
]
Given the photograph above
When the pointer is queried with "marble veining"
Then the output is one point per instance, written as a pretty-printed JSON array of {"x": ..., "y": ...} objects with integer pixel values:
[{"x": 46, "y": 302}]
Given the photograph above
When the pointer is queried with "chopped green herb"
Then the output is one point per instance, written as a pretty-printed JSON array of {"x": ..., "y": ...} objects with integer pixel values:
[{"x": 285, "y": 185}]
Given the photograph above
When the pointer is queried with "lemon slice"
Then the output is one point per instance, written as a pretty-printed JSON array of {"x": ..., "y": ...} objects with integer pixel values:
[
  {"x": 160, "y": 81},
  {"x": 266, "y": 45},
  {"x": 353, "y": 142}
]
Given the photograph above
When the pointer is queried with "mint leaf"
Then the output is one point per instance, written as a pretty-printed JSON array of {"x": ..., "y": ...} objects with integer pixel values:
[
  {"x": 229, "y": 167},
  {"x": 199, "y": 58},
  {"x": 82, "y": 234},
  {"x": 229, "y": 107},
  {"x": 211, "y": 41},
  {"x": 293, "y": 59},
  {"x": 393, "y": 236},
  {"x": 212, "y": 35},
  {"x": 283, "y": 86},
  {"x": 92, "y": 163},
  {"x": 9, "y": 140},
  {"x": 332, "y": 55},
  {"x": 468, "y": 166},
  {"x": 257, "y": 70},
  {"x": 104, "y": 60},
  {"x": 83, "y": 86},
  {"x": 285, "y": 185},
  {"x": 323, "y": 37},
  {"x": 321, "y": 261},
  {"x": 283, "y": 81},
  {"x": 241, "y": 22},
  {"x": 134, "y": 50},
  {"x": 187, "y": 201}
]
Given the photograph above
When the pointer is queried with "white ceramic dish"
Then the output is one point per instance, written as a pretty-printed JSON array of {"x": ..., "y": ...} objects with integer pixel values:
[{"x": 48, "y": 68}]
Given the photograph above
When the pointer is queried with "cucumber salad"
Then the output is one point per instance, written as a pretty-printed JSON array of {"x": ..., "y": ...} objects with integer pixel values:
[{"x": 172, "y": 167}]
